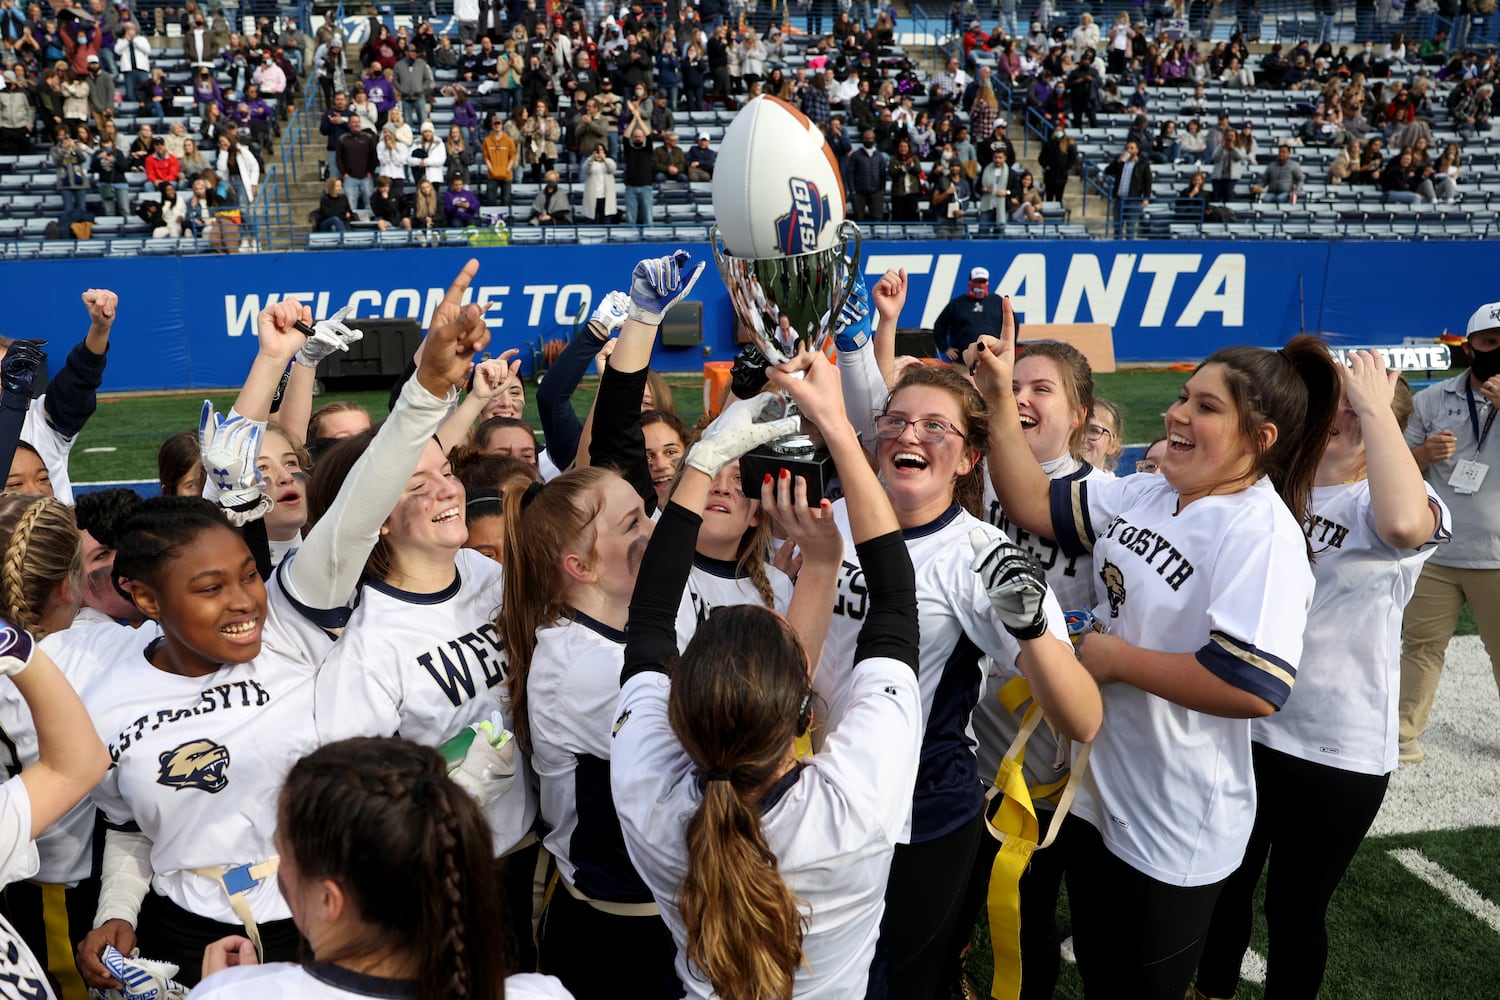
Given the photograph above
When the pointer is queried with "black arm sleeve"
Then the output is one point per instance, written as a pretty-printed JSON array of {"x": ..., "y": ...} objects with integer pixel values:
[
  {"x": 72, "y": 394},
  {"x": 260, "y": 546},
  {"x": 890, "y": 629},
  {"x": 12, "y": 419},
  {"x": 406, "y": 374},
  {"x": 651, "y": 631},
  {"x": 554, "y": 397},
  {"x": 618, "y": 442}
]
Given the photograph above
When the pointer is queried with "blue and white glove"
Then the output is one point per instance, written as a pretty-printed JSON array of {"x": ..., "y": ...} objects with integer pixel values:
[
  {"x": 143, "y": 978},
  {"x": 612, "y": 311},
  {"x": 657, "y": 284},
  {"x": 329, "y": 335},
  {"x": 851, "y": 330},
  {"x": 744, "y": 425},
  {"x": 16, "y": 646},
  {"x": 230, "y": 450},
  {"x": 1014, "y": 580}
]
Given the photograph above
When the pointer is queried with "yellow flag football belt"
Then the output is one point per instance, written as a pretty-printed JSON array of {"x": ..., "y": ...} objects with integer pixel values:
[{"x": 1010, "y": 817}]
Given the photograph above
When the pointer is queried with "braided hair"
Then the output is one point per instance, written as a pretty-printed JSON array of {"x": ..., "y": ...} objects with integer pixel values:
[
  {"x": 41, "y": 544},
  {"x": 412, "y": 851}
]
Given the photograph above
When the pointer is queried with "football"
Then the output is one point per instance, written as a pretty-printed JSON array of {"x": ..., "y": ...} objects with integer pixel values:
[{"x": 777, "y": 188}]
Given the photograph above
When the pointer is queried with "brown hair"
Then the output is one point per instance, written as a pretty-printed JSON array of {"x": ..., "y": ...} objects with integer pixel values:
[
  {"x": 176, "y": 459},
  {"x": 412, "y": 851},
  {"x": 740, "y": 696},
  {"x": 1077, "y": 381},
  {"x": 968, "y": 490},
  {"x": 661, "y": 393},
  {"x": 1295, "y": 389},
  {"x": 482, "y": 431},
  {"x": 42, "y": 549},
  {"x": 315, "y": 422},
  {"x": 1116, "y": 416},
  {"x": 1401, "y": 403},
  {"x": 556, "y": 519},
  {"x": 671, "y": 419},
  {"x": 481, "y": 472}
]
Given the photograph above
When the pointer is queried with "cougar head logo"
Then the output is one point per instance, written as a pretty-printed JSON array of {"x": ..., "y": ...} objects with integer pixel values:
[
  {"x": 1114, "y": 586},
  {"x": 199, "y": 764}
]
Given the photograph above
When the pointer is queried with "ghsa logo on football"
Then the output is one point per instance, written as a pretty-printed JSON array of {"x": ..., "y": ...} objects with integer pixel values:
[{"x": 797, "y": 231}]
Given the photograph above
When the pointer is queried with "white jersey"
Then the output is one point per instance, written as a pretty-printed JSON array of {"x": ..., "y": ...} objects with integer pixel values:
[
  {"x": 424, "y": 666},
  {"x": 571, "y": 693},
  {"x": 832, "y": 822},
  {"x": 958, "y": 629},
  {"x": 1171, "y": 790},
  {"x": 51, "y": 445},
  {"x": 717, "y": 583},
  {"x": 1343, "y": 711},
  {"x": 326, "y": 981},
  {"x": 82, "y": 655},
  {"x": 21, "y": 976},
  {"x": 198, "y": 762},
  {"x": 1071, "y": 579}
]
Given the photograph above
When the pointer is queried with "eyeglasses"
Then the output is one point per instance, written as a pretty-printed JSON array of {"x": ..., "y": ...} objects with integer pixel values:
[
  {"x": 1095, "y": 432},
  {"x": 1147, "y": 466},
  {"x": 930, "y": 430}
]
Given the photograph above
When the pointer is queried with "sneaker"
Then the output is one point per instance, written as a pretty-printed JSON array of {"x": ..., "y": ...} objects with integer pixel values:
[{"x": 1410, "y": 752}]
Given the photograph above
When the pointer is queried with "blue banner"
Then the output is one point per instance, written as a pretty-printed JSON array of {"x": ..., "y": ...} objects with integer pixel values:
[{"x": 189, "y": 322}]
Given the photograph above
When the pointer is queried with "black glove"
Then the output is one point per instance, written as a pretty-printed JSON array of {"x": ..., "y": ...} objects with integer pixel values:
[
  {"x": 18, "y": 371},
  {"x": 747, "y": 376},
  {"x": 1015, "y": 582}
]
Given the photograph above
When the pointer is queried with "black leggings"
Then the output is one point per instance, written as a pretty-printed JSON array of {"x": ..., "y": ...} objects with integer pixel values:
[
  {"x": 1310, "y": 820},
  {"x": 924, "y": 904},
  {"x": 1136, "y": 938},
  {"x": 168, "y": 933},
  {"x": 587, "y": 949}
]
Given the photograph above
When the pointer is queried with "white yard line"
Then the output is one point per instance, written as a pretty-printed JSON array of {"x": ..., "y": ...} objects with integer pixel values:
[{"x": 1460, "y": 892}]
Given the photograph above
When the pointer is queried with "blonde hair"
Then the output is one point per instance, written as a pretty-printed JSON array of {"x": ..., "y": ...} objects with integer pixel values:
[{"x": 42, "y": 548}]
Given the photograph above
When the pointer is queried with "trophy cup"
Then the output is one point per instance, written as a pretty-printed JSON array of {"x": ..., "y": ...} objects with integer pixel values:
[{"x": 789, "y": 305}]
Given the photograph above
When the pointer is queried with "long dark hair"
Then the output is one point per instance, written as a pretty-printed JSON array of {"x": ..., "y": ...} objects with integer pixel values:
[
  {"x": 740, "y": 695},
  {"x": 1296, "y": 389},
  {"x": 412, "y": 851}
]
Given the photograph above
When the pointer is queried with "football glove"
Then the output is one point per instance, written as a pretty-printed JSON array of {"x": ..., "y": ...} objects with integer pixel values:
[
  {"x": 657, "y": 284},
  {"x": 1014, "y": 581}
]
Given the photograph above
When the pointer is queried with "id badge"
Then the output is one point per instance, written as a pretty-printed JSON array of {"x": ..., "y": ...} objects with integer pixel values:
[{"x": 1467, "y": 476}]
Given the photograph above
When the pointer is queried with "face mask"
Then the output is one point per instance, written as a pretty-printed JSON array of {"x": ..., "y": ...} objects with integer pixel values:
[
  {"x": 1486, "y": 364},
  {"x": 551, "y": 188},
  {"x": 869, "y": 145}
]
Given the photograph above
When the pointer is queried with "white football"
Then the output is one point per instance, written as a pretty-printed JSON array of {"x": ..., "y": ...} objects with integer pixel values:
[{"x": 777, "y": 187}]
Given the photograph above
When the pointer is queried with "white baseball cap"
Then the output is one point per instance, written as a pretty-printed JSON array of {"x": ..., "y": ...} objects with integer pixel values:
[
  {"x": 979, "y": 274},
  {"x": 1486, "y": 317}
]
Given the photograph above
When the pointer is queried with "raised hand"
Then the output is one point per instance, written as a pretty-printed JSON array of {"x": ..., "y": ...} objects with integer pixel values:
[
  {"x": 992, "y": 360},
  {"x": 818, "y": 392},
  {"x": 1014, "y": 581},
  {"x": 276, "y": 326},
  {"x": 657, "y": 284},
  {"x": 811, "y": 533},
  {"x": 745, "y": 424},
  {"x": 1368, "y": 386},
  {"x": 101, "y": 304},
  {"x": 851, "y": 327},
  {"x": 612, "y": 311},
  {"x": 230, "y": 450},
  {"x": 457, "y": 335},
  {"x": 328, "y": 336},
  {"x": 23, "y": 359},
  {"x": 889, "y": 294},
  {"x": 490, "y": 376}
]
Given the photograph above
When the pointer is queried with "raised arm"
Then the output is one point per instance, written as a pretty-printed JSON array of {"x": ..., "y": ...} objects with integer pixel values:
[
  {"x": 489, "y": 378},
  {"x": 554, "y": 397},
  {"x": 1020, "y": 484},
  {"x": 72, "y": 394},
  {"x": 324, "y": 572},
  {"x": 1405, "y": 518},
  {"x": 890, "y": 298},
  {"x": 328, "y": 337},
  {"x": 17, "y": 377}
]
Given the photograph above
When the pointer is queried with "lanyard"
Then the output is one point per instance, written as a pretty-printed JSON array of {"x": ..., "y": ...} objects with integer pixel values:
[{"x": 1474, "y": 418}]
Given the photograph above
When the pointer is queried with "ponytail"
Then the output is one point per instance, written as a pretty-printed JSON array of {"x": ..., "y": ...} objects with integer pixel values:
[
  {"x": 740, "y": 696},
  {"x": 543, "y": 523},
  {"x": 1297, "y": 390}
]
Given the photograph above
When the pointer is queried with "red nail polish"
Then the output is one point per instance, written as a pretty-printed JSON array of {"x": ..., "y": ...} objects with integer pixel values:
[
  {"x": 768, "y": 478},
  {"x": 785, "y": 474}
]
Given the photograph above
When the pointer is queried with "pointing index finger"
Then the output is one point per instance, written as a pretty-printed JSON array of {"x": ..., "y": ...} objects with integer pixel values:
[{"x": 455, "y": 294}]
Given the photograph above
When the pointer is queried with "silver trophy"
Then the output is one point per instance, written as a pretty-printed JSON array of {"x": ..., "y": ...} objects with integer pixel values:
[{"x": 788, "y": 305}]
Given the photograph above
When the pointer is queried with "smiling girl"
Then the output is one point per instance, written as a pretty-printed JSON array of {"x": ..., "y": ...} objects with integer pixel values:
[{"x": 1204, "y": 576}]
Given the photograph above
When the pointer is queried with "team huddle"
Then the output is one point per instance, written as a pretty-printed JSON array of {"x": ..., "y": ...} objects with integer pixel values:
[{"x": 425, "y": 709}]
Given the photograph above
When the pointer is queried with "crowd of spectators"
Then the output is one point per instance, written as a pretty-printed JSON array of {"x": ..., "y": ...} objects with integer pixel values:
[{"x": 68, "y": 73}]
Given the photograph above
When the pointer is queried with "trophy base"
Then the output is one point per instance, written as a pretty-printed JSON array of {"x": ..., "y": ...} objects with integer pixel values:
[{"x": 817, "y": 468}]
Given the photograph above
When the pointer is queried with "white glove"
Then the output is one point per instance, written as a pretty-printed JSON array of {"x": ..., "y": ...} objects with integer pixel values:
[
  {"x": 657, "y": 284},
  {"x": 612, "y": 311},
  {"x": 1014, "y": 580},
  {"x": 16, "y": 646},
  {"x": 230, "y": 449},
  {"x": 488, "y": 769},
  {"x": 143, "y": 978},
  {"x": 745, "y": 424},
  {"x": 328, "y": 336}
]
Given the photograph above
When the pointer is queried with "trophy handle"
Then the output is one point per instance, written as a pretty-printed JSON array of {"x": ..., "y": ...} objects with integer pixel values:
[
  {"x": 848, "y": 232},
  {"x": 713, "y": 241}
]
